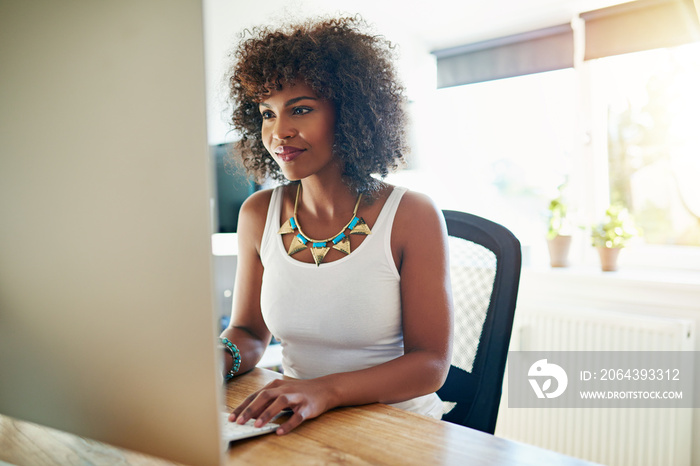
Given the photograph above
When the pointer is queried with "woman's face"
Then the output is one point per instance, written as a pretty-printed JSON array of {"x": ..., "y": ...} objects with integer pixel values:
[{"x": 297, "y": 131}]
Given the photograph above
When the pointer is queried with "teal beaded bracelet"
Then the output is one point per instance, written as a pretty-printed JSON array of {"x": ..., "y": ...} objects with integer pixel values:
[{"x": 235, "y": 354}]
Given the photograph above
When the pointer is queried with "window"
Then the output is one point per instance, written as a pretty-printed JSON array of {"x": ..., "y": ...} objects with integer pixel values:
[
  {"x": 498, "y": 149},
  {"x": 651, "y": 101},
  {"x": 616, "y": 129}
]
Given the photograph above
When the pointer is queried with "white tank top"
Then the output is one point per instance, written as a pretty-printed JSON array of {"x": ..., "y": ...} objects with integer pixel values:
[{"x": 340, "y": 316}]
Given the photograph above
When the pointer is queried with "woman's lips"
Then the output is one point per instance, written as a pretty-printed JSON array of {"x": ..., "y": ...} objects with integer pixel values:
[{"x": 288, "y": 153}]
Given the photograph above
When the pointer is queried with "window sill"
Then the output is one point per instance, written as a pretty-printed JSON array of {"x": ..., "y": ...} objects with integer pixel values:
[{"x": 642, "y": 289}]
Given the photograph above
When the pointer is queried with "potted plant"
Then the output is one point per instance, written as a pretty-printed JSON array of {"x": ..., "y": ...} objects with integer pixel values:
[
  {"x": 611, "y": 234},
  {"x": 558, "y": 232}
]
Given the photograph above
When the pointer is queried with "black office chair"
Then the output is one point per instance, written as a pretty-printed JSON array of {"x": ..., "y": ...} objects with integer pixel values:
[{"x": 485, "y": 262}]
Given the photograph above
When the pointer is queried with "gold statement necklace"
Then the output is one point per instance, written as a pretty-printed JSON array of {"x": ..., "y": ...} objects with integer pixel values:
[{"x": 320, "y": 247}]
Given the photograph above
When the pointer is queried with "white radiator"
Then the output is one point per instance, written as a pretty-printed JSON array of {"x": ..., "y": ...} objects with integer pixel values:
[{"x": 610, "y": 436}]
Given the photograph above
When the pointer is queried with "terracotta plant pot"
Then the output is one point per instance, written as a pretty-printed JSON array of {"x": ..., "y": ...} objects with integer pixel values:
[
  {"x": 559, "y": 251},
  {"x": 608, "y": 258}
]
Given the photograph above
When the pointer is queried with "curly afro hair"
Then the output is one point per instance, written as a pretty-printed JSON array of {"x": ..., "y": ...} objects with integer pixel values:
[{"x": 343, "y": 64}]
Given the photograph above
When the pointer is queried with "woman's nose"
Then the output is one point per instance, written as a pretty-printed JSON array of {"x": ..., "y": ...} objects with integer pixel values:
[{"x": 283, "y": 129}]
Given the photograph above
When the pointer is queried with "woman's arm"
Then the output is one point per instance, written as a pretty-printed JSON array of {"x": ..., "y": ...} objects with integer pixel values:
[
  {"x": 419, "y": 244},
  {"x": 247, "y": 329}
]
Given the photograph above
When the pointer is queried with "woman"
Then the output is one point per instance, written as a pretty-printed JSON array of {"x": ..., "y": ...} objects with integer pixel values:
[{"x": 349, "y": 273}]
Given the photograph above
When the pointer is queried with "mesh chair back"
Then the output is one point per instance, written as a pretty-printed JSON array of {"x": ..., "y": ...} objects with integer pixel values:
[{"x": 485, "y": 263}]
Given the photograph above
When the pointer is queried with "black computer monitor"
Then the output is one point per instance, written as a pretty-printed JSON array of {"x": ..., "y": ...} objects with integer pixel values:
[{"x": 232, "y": 187}]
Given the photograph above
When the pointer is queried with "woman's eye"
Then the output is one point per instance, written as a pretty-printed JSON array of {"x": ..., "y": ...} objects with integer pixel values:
[
  {"x": 300, "y": 110},
  {"x": 267, "y": 114}
]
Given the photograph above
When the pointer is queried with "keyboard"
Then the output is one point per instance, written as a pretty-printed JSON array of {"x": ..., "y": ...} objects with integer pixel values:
[{"x": 233, "y": 431}]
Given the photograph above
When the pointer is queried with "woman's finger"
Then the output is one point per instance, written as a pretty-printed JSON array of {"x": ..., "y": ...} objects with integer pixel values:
[
  {"x": 279, "y": 405},
  {"x": 244, "y": 404},
  {"x": 261, "y": 401},
  {"x": 291, "y": 423}
]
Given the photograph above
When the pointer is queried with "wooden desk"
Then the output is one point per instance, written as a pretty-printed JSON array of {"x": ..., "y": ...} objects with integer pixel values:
[{"x": 373, "y": 434}]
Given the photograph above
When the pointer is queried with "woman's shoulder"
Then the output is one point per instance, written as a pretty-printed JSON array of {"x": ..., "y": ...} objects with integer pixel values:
[
  {"x": 260, "y": 200},
  {"x": 418, "y": 212},
  {"x": 257, "y": 203},
  {"x": 253, "y": 212},
  {"x": 416, "y": 199},
  {"x": 409, "y": 197},
  {"x": 416, "y": 203},
  {"x": 254, "y": 208}
]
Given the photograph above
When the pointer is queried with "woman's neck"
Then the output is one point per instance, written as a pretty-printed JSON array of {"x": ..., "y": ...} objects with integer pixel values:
[{"x": 326, "y": 200}]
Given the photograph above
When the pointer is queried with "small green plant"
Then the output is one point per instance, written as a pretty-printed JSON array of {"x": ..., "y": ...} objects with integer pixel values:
[
  {"x": 615, "y": 230},
  {"x": 557, "y": 222}
]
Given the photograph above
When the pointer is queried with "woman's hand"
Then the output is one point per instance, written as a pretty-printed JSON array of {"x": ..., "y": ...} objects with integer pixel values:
[{"x": 305, "y": 398}]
